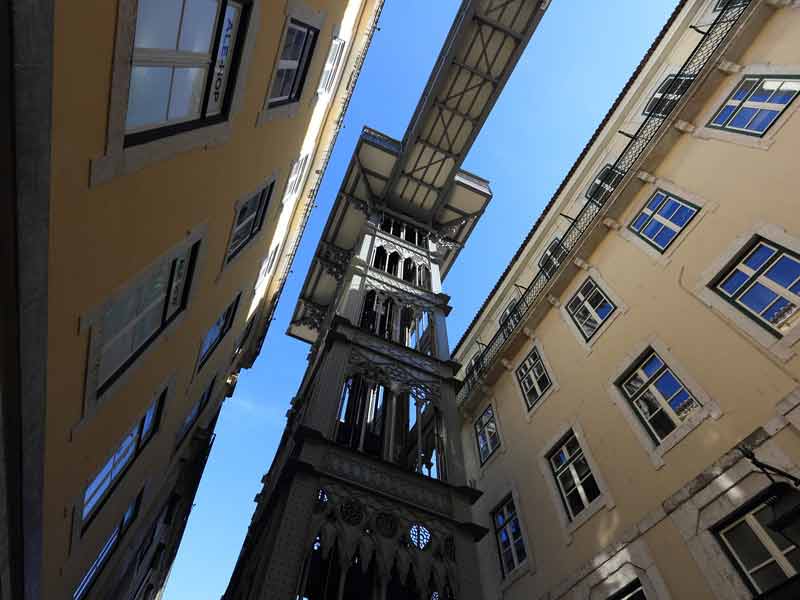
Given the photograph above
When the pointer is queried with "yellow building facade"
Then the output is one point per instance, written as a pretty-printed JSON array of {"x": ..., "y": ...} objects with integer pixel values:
[
  {"x": 630, "y": 387},
  {"x": 165, "y": 156}
]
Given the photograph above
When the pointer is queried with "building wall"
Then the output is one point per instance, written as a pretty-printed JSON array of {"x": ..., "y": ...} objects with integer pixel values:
[
  {"x": 105, "y": 230},
  {"x": 747, "y": 382}
]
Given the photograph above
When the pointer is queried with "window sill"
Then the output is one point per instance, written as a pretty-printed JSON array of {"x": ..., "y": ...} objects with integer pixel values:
[
  {"x": 521, "y": 571},
  {"x": 135, "y": 158},
  {"x": 600, "y": 502}
]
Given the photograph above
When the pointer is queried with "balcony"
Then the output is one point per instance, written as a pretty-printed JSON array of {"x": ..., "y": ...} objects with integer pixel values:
[{"x": 612, "y": 180}]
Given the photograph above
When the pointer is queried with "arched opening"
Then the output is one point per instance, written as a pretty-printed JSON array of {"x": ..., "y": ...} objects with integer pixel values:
[
  {"x": 321, "y": 576},
  {"x": 386, "y": 318},
  {"x": 361, "y": 422},
  {"x": 369, "y": 313},
  {"x": 424, "y": 277},
  {"x": 397, "y": 228},
  {"x": 409, "y": 271},
  {"x": 379, "y": 260},
  {"x": 411, "y": 234},
  {"x": 399, "y": 588},
  {"x": 393, "y": 264}
]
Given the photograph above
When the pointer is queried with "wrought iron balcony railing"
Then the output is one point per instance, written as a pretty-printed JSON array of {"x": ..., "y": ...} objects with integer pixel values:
[{"x": 607, "y": 184}]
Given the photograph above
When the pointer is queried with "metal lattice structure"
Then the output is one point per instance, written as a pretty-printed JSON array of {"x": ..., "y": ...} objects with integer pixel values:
[
  {"x": 613, "y": 180},
  {"x": 483, "y": 46}
]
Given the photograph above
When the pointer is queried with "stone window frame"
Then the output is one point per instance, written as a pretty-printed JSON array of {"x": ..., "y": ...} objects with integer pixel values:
[
  {"x": 705, "y": 507},
  {"x": 779, "y": 347},
  {"x": 604, "y": 500},
  {"x": 705, "y": 131},
  {"x": 709, "y": 407},
  {"x": 631, "y": 563},
  {"x": 492, "y": 498},
  {"x": 620, "y": 307},
  {"x": 483, "y": 467},
  {"x": 118, "y": 160},
  {"x": 91, "y": 320},
  {"x": 78, "y": 528},
  {"x": 663, "y": 259},
  {"x": 299, "y": 10},
  {"x": 554, "y": 385},
  {"x": 272, "y": 180}
]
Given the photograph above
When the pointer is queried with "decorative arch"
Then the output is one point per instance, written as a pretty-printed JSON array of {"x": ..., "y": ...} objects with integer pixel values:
[
  {"x": 393, "y": 264},
  {"x": 379, "y": 259},
  {"x": 409, "y": 271}
]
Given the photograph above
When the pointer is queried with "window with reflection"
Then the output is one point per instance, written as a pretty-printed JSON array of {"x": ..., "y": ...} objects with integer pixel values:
[
  {"x": 756, "y": 104},
  {"x": 185, "y": 59},
  {"x": 575, "y": 481},
  {"x": 293, "y": 63}
]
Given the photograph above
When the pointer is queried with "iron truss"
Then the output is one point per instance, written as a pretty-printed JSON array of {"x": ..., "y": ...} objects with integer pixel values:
[{"x": 486, "y": 40}]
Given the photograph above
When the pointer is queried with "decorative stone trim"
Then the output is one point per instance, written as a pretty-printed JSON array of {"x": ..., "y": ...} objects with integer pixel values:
[
  {"x": 709, "y": 407},
  {"x": 605, "y": 287},
  {"x": 295, "y": 9},
  {"x": 665, "y": 258},
  {"x": 119, "y": 160},
  {"x": 603, "y": 500},
  {"x": 781, "y": 348},
  {"x": 724, "y": 91}
]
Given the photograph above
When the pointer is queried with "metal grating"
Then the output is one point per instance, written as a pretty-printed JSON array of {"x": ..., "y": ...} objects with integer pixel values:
[
  {"x": 712, "y": 39},
  {"x": 486, "y": 40}
]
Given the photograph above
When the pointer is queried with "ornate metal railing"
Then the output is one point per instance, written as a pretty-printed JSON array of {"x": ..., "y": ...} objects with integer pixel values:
[{"x": 711, "y": 40}]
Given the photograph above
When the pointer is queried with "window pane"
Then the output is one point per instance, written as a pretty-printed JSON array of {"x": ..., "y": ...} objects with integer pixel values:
[
  {"x": 575, "y": 502},
  {"x": 759, "y": 256},
  {"x": 667, "y": 384},
  {"x": 187, "y": 93},
  {"x": 198, "y": 26},
  {"x": 640, "y": 220},
  {"x": 655, "y": 201},
  {"x": 662, "y": 425},
  {"x": 682, "y": 216},
  {"x": 744, "y": 89},
  {"x": 765, "y": 516},
  {"x": 293, "y": 46},
  {"x": 149, "y": 96},
  {"x": 653, "y": 364},
  {"x": 768, "y": 577},
  {"x": 746, "y": 545},
  {"x": 647, "y": 404},
  {"x": 590, "y": 488},
  {"x": 114, "y": 355},
  {"x": 147, "y": 325},
  {"x": 785, "y": 271},
  {"x": 724, "y": 115},
  {"x": 652, "y": 229},
  {"x": 787, "y": 92},
  {"x": 734, "y": 281},
  {"x": 157, "y": 23},
  {"x": 282, "y": 87},
  {"x": 758, "y": 297},
  {"x": 743, "y": 117},
  {"x": 682, "y": 403},
  {"x": 664, "y": 237},
  {"x": 763, "y": 120}
]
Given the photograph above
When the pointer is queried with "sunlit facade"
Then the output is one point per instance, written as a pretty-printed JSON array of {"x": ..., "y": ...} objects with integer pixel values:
[
  {"x": 631, "y": 384},
  {"x": 164, "y": 159}
]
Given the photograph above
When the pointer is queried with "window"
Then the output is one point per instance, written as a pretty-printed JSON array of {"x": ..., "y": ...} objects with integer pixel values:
[
  {"x": 508, "y": 534},
  {"x": 765, "y": 285},
  {"x": 117, "y": 464},
  {"x": 662, "y": 219},
  {"x": 138, "y": 316},
  {"x": 632, "y": 591},
  {"x": 576, "y": 484},
  {"x": 249, "y": 219},
  {"x": 293, "y": 63},
  {"x": 195, "y": 412},
  {"x": 184, "y": 62},
  {"x": 404, "y": 231},
  {"x": 332, "y": 64},
  {"x": 296, "y": 177},
  {"x": 486, "y": 434},
  {"x": 659, "y": 399},
  {"x": 755, "y": 104},
  {"x": 667, "y": 95},
  {"x": 552, "y": 258},
  {"x": 533, "y": 378},
  {"x": 765, "y": 557},
  {"x": 271, "y": 260},
  {"x": 604, "y": 184},
  {"x": 729, "y": 4},
  {"x": 218, "y": 331},
  {"x": 589, "y": 308},
  {"x": 108, "y": 548}
]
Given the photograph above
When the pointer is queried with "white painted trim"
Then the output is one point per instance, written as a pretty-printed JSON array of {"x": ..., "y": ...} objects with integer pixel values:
[
  {"x": 709, "y": 407},
  {"x": 782, "y": 348}
]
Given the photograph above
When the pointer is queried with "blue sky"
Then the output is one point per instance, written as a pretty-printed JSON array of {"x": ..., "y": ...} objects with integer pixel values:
[{"x": 577, "y": 62}]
